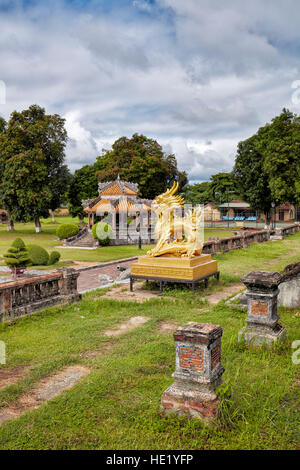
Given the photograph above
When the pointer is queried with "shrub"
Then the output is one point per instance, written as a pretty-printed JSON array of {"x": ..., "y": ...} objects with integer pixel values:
[
  {"x": 103, "y": 232},
  {"x": 67, "y": 231},
  {"x": 54, "y": 257},
  {"x": 38, "y": 255},
  {"x": 17, "y": 255},
  {"x": 19, "y": 244}
]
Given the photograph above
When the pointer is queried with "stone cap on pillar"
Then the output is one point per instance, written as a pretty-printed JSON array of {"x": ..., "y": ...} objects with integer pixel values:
[
  {"x": 200, "y": 333},
  {"x": 68, "y": 272},
  {"x": 262, "y": 280},
  {"x": 291, "y": 271}
]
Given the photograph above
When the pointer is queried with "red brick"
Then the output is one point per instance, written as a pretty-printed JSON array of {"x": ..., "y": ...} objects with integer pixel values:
[
  {"x": 167, "y": 405},
  {"x": 191, "y": 358}
]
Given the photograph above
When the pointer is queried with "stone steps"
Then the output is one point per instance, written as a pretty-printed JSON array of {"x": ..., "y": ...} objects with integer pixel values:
[{"x": 84, "y": 240}]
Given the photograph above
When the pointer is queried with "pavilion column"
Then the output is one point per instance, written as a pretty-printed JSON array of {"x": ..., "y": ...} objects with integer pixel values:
[
  {"x": 114, "y": 223},
  {"x": 93, "y": 216},
  {"x": 149, "y": 224},
  {"x": 122, "y": 225}
]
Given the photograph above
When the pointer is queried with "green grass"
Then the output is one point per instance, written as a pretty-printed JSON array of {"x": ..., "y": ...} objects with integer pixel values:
[
  {"x": 117, "y": 406},
  {"x": 273, "y": 256},
  {"x": 221, "y": 233},
  {"x": 48, "y": 240}
]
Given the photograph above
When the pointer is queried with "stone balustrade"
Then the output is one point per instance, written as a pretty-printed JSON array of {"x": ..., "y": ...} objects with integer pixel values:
[
  {"x": 24, "y": 296},
  {"x": 246, "y": 238}
]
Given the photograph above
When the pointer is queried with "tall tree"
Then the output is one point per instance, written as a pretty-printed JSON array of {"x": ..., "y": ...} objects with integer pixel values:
[
  {"x": 42, "y": 137},
  {"x": 23, "y": 186},
  {"x": 223, "y": 187},
  {"x": 84, "y": 185},
  {"x": 198, "y": 193},
  {"x": 2, "y": 125},
  {"x": 267, "y": 165},
  {"x": 252, "y": 180},
  {"x": 280, "y": 145},
  {"x": 140, "y": 160}
]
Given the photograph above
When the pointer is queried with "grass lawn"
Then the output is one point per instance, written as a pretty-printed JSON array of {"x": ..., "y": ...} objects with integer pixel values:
[
  {"x": 117, "y": 406},
  {"x": 47, "y": 239}
]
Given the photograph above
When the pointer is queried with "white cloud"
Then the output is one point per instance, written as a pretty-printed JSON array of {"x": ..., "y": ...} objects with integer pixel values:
[
  {"x": 81, "y": 147},
  {"x": 183, "y": 72},
  {"x": 142, "y": 5}
]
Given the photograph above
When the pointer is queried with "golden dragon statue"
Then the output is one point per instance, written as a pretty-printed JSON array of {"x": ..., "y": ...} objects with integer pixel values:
[{"x": 177, "y": 236}]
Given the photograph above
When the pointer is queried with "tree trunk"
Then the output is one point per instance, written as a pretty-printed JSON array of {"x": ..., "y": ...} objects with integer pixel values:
[
  {"x": 268, "y": 220},
  {"x": 52, "y": 215},
  {"x": 38, "y": 227},
  {"x": 10, "y": 224}
]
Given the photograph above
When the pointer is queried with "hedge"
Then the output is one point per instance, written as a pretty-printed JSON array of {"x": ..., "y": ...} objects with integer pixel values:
[
  {"x": 99, "y": 231},
  {"x": 38, "y": 255},
  {"x": 54, "y": 257},
  {"x": 67, "y": 231}
]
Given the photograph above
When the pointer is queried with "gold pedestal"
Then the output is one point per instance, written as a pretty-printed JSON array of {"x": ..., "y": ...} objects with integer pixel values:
[{"x": 168, "y": 267}]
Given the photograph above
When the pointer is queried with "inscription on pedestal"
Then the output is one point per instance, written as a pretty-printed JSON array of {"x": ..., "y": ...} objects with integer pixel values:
[
  {"x": 190, "y": 358},
  {"x": 259, "y": 308}
]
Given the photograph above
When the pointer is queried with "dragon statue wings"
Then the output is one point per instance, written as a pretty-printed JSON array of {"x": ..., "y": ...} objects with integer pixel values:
[{"x": 177, "y": 236}]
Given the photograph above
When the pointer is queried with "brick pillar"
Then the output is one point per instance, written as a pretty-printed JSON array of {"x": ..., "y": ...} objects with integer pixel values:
[
  {"x": 244, "y": 240},
  {"x": 262, "y": 318},
  {"x": 198, "y": 371},
  {"x": 5, "y": 303},
  {"x": 68, "y": 282}
]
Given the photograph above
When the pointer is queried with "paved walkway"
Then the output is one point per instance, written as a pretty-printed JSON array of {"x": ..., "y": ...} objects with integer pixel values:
[{"x": 89, "y": 278}]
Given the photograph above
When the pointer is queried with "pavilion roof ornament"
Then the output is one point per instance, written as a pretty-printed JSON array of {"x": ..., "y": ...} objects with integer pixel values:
[
  {"x": 124, "y": 187},
  {"x": 111, "y": 195}
]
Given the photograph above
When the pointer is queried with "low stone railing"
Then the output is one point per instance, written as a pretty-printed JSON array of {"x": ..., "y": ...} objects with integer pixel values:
[
  {"x": 24, "y": 296},
  {"x": 288, "y": 230},
  {"x": 245, "y": 239}
]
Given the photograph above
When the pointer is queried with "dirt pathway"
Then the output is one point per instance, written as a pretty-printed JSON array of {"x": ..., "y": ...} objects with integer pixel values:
[
  {"x": 216, "y": 297},
  {"x": 122, "y": 292},
  {"x": 11, "y": 376},
  {"x": 44, "y": 390}
]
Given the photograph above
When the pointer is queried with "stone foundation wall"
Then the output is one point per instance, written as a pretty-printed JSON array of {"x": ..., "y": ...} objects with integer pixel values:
[{"x": 25, "y": 296}]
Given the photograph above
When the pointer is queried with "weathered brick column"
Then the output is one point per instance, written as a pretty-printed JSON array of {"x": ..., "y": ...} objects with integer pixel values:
[
  {"x": 198, "y": 371},
  {"x": 262, "y": 318}
]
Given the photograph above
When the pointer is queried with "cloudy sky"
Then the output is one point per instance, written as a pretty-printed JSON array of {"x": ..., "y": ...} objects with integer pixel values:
[{"x": 197, "y": 75}]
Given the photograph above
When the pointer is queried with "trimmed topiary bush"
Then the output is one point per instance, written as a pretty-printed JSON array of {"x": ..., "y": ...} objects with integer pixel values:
[
  {"x": 38, "y": 255},
  {"x": 103, "y": 232},
  {"x": 54, "y": 257},
  {"x": 17, "y": 255},
  {"x": 94, "y": 231},
  {"x": 66, "y": 231}
]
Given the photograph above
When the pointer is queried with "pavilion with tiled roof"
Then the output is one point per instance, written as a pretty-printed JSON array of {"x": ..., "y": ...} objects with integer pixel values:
[{"x": 116, "y": 197}]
